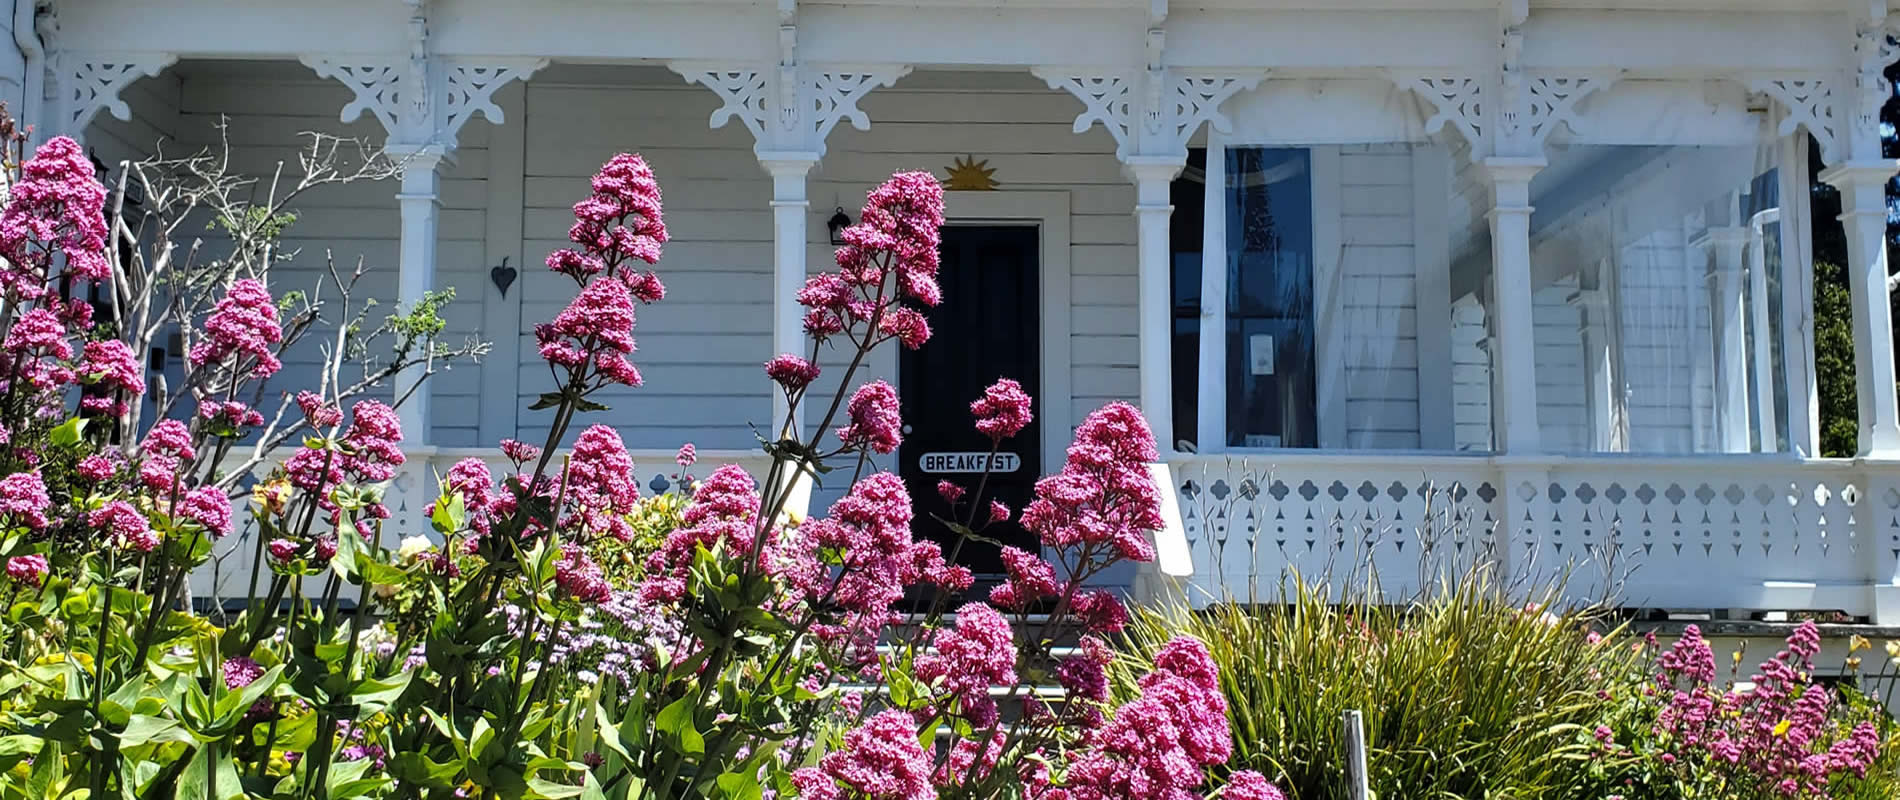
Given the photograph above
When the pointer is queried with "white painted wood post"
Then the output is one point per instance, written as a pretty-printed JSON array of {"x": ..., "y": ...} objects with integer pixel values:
[
  {"x": 1763, "y": 347},
  {"x": 1515, "y": 357},
  {"x": 1153, "y": 176},
  {"x": 790, "y": 211},
  {"x": 1212, "y": 434},
  {"x": 1863, "y": 188},
  {"x": 1731, "y": 315},
  {"x": 1797, "y": 298},
  {"x": 1431, "y": 267},
  {"x": 421, "y": 205}
]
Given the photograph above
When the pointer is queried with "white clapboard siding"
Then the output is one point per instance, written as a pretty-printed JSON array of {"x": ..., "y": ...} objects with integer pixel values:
[
  {"x": 1379, "y": 291},
  {"x": 701, "y": 347},
  {"x": 1563, "y": 413},
  {"x": 1471, "y": 376}
]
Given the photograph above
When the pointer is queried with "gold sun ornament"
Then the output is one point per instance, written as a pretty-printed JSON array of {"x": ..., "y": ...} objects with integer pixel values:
[{"x": 970, "y": 175}]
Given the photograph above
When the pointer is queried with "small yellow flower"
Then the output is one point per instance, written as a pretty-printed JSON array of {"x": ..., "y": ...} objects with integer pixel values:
[
  {"x": 1893, "y": 649},
  {"x": 1737, "y": 658},
  {"x": 1857, "y": 643},
  {"x": 1781, "y": 728},
  {"x": 1853, "y": 663},
  {"x": 272, "y": 495}
]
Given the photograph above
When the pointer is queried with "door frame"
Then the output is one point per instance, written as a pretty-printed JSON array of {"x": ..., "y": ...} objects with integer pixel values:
[{"x": 1049, "y": 211}]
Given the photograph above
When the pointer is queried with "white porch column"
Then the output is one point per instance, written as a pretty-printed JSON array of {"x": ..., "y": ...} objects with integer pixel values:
[
  {"x": 1153, "y": 176},
  {"x": 1863, "y": 188},
  {"x": 1731, "y": 314},
  {"x": 1515, "y": 365},
  {"x": 419, "y": 199},
  {"x": 790, "y": 210}
]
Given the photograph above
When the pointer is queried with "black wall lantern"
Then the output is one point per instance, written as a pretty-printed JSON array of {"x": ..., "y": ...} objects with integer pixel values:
[{"x": 837, "y": 224}]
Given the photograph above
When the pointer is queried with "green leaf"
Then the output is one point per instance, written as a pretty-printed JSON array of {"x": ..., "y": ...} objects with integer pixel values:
[
  {"x": 210, "y": 775},
  {"x": 740, "y": 786},
  {"x": 546, "y": 400},
  {"x": 416, "y": 768},
  {"x": 377, "y": 694},
  {"x": 68, "y": 433},
  {"x": 233, "y": 706},
  {"x": 349, "y": 549},
  {"x": 143, "y": 729},
  {"x": 677, "y": 720},
  {"x": 552, "y": 790},
  {"x": 451, "y": 513}
]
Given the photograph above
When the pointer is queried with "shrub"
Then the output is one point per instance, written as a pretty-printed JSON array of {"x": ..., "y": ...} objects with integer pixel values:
[{"x": 1465, "y": 693}]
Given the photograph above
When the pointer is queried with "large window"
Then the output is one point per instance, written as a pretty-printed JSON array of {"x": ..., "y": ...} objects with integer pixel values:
[{"x": 1264, "y": 198}]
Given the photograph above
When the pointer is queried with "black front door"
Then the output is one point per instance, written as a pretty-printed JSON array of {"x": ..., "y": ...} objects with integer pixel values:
[{"x": 988, "y": 327}]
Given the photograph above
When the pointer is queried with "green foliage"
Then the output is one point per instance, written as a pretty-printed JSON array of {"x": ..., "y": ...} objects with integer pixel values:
[{"x": 1834, "y": 360}]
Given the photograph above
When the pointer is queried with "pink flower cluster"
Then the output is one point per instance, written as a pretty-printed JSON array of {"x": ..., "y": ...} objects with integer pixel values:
[
  {"x": 602, "y": 488},
  {"x": 57, "y": 206},
  {"x": 596, "y": 330},
  {"x": 895, "y": 240},
  {"x": 125, "y": 527},
  {"x": 980, "y": 652},
  {"x": 875, "y": 422},
  {"x": 27, "y": 569},
  {"x": 23, "y": 499},
  {"x": 1160, "y": 744},
  {"x": 243, "y": 324},
  {"x": 166, "y": 450},
  {"x": 621, "y": 221},
  {"x": 1003, "y": 410},
  {"x": 1104, "y": 498},
  {"x": 724, "y": 510},
  {"x": 879, "y": 761},
  {"x": 1779, "y": 736},
  {"x": 368, "y": 452},
  {"x": 578, "y": 577}
]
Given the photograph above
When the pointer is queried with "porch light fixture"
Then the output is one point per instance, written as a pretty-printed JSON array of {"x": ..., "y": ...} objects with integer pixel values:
[{"x": 837, "y": 224}]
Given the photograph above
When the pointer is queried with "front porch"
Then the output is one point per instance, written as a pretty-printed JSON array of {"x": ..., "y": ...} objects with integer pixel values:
[{"x": 1480, "y": 297}]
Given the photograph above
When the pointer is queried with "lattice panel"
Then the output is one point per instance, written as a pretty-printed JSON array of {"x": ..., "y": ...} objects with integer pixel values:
[{"x": 1251, "y": 525}]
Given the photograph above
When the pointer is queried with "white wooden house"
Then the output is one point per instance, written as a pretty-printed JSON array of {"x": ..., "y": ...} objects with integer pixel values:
[{"x": 1517, "y": 280}]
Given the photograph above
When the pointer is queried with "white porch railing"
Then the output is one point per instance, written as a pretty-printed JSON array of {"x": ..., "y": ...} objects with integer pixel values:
[{"x": 1724, "y": 533}]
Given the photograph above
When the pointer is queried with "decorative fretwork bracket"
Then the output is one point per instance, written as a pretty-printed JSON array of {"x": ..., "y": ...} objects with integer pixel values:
[
  {"x": 425, "y": 103},
  {"x": 89, "y": 82},
  {"x": 790, "y": 108},
  {"x": 1809, "y": 102},
  {"x": 1153, "y": 111},
  {"x": 1514, "y": 116}
]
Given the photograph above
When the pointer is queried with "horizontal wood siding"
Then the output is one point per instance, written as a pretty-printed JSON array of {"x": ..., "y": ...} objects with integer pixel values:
[
  {"x": 701, "y": 347},
  {"x": 1379, "y": 292},
  {"x": 1563, "y": 412},
  {"x": 1665, "y": 312}
]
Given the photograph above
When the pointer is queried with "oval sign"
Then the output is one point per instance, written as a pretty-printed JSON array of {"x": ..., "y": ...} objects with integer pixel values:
[{"x": 967, "y": 462}]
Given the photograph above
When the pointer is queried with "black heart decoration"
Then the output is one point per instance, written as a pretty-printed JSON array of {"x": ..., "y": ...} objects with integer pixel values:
[{"x": 503, "y": 276}]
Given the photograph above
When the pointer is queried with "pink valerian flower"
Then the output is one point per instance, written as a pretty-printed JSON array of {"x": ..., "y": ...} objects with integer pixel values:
[
  {"x": 905, "y": 325},
  {"x": 896, "y": 237},
  {"x": 232, "y": 416},
  {"x": 980, "y": 652},
  {"x": 1084, "y": 674},
  {"x": 1030, "y": 579},
  {"x": 519, "y": 453},
  {"x": 578, "y": 577},
  {"x": 687, "y": 456},
  {"x": 38, "y": 332},
  {"x": 470, "y": 479},
  {"x": 98, "y": 467},
  {"x": 968, "y": 758},
  {"x": 282, "y": 551},
  {"x": 1099, "y": 611},
  {"x": 934, "y": 570},
  {"x": 240, "y": 672},
  {"x": 244, "y": 324},
  {"x": 950, "y": 491},
  {"x": 998, "y": 512},
  {"x": 601, "y": 486},
  {"x": 23, "y": 499},
  {"x": 372, "y": 442},
  {"x": 879, "y": 761},
  {"x": 620, "y": 221},
  {"x": 593, "y": 336},
  {"x": 1249, "y": 785},
  {"x": 1003, "y": 411},
  {"x": 792, "y": 372},
  {"x": 208, "y": 506},
  {"x": 57, "y": 205},
  {"x": 724, "y": 510},
  {"x": 870, "y": 525},
  {"x": 27, "y": 569},
  {"x": 125, "y": 527},
  {"x": 166, "y": 449},
  {"x": 320, "y": 413},
  {"x": 875, "y": 423},
  {"x": 1160, "y": 744},
  {"x": 1104, "y": 497}
]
